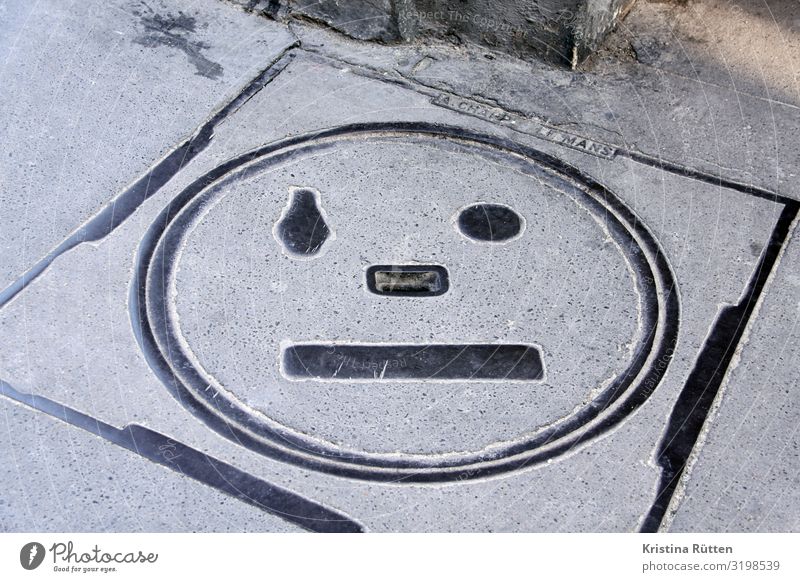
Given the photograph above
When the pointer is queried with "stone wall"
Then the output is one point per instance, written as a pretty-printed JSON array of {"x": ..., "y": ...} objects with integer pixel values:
[{"x": 559, "y": 31}]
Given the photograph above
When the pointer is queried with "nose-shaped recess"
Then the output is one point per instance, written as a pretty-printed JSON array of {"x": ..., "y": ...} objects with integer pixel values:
[
  {"x": 408, "y": 280},
  {"x": 302, "y": 229}
]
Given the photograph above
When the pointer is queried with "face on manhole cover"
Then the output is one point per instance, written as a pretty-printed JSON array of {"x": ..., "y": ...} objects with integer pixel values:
[{"x": 403, "y": 303}]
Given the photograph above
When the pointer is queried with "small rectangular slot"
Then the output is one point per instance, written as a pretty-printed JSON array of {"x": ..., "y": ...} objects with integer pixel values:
[
  {"x": 421, "y": 282},
  {"x": 407, "y": 280}
]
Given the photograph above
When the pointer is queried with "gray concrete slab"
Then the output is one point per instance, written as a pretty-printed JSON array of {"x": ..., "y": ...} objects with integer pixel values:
[
  {"x": 62, "y": 479},
  {"x": 746, "y": 477},
  {"x": 94, "y": 92},
  {"x": 73, "y": 342}
]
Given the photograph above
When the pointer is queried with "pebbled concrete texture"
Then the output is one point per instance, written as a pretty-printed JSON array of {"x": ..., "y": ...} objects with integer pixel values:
[
  {"x": 68, "y": 335},
  {"x": 97, "y": 91},
  {"x": 58, "y": 480}
]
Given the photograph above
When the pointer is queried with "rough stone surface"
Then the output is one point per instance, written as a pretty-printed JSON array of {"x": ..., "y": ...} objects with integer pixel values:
[
  {"x": 368, "y": 20},
  {"x": 544, "y": 28},
  {"x": 558, "y": 31},
  {"x": 563, "y": 32},
  {"x": 361, "y": 19},
  {"x": 593, "y": 21}
]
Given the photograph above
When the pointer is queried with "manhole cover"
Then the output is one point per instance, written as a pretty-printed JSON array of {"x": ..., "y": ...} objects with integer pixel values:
[{"x": 404, "y": 301}]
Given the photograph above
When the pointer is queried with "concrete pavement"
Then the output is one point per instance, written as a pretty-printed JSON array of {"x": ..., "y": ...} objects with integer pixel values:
[{"x": 650, "y": 276}]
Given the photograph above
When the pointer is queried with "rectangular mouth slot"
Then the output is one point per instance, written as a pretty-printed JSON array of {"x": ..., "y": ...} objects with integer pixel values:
[
  {"x": 407, "y": 280},
  {"x": 396, "y": 362}
]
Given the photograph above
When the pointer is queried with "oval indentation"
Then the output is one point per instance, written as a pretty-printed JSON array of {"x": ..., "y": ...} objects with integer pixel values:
[{"x": 489, "y": 222}]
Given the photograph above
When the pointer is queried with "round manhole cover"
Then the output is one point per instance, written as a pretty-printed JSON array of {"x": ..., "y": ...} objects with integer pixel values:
[{"x": 404, "y": 302}]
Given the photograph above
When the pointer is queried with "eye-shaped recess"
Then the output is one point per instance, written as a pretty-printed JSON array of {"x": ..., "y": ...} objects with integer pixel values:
[
  {"x": 486, "y": 222},
  {"x": 302, "y": 229}
]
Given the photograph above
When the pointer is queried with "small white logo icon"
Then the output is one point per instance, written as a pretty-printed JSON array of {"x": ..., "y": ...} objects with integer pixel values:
[{"x": 31, "y": 555}]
